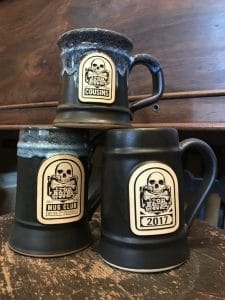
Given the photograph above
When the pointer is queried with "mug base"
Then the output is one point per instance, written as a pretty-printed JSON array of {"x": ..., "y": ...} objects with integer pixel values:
[
  {"x": 90, "y": 125},
  {"x": 136, "y": 256},
  {"x": 92, "y": 117},
  {"x": 29, "y": 254},
  {"x": 143, "y": 270},
  {"x": 48, "y": 241}
]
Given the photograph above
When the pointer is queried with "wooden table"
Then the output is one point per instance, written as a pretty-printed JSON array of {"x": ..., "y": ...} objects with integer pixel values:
[{"x": 85, "y": 276}]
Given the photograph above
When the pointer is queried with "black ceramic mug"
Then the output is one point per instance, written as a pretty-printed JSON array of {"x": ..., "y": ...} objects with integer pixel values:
[
  {"x": 96, "y": 65},
  {"x": 144, "y": 221},
  {"x": 52, "y": 211}
]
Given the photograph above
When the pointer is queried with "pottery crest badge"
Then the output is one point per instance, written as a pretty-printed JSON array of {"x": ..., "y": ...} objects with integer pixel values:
[
  {"x": 60, "y": 190},
  {"x": 154, "y": 199},
  {"x": 97, "y": 79}
]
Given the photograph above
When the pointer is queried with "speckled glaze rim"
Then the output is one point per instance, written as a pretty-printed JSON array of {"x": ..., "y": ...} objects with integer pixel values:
[
  {"x": 106, "y": 37},
  {"x": 52, "y": 128},
  {"x": 48, "y": 141},
  {"x": 33, "y": 133}
]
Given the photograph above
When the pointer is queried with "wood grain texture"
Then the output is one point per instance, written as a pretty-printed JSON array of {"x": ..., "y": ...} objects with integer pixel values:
[
  {"x": 165, "y": 96},
  {"x": 186, "y": 36},
  {"x": 85, "y": 276},
  {"x": 193, "y": 110},
  {"x": 186, "y": 114}
]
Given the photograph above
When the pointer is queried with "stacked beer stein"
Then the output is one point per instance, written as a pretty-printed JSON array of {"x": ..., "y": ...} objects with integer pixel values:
[{"x": 144, "y": 223}]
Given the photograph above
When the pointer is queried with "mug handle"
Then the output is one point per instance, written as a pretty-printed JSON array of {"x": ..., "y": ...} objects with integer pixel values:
[
  {"x": 157, "y": 80},
  {"x": 210, "y": 164}
]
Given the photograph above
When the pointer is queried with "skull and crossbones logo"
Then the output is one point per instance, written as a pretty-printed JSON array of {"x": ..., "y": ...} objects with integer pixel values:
[
  {"x": 156, "y": 182},
  {"x": 63, "y": 184},
  {"x": 156, "y": 195},
  {"x": 64, "y": 172},
  {"x": 98, "y": 65},
  {"x": 97, "y": 75}
]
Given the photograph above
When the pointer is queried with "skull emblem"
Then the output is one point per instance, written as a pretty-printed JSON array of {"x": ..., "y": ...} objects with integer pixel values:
[
  {"x": 156, "y": 182},
  {"x": 64, "y": 172},
  {"x": 98, "y": 65}
]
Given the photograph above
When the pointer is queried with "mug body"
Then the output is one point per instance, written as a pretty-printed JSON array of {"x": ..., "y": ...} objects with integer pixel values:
[
  {"x": 143, "y": 226},
  {"x": 95, "y": 70},
  {"x": 51, "y": 200}
]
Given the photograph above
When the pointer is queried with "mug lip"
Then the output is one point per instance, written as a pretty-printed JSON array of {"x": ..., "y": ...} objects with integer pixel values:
[
  {"x": 140, "y": 129},
  {"x": 39, "y": 127},
  {"x": 52, "y": 128},
  {"x": 143, "y": 137},
  {"x": 106, "y": 37}
]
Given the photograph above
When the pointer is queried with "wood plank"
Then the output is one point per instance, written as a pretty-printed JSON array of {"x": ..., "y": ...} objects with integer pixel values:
[
  {"x": 84, "y": 275},
  {"x": 182, "y": 95},
  {"x": 185, "y": 114},
  {"x": 186, "y": 36},
  {"x": 165, "y": 96},
  {"x": 194, "y": 110},
  {"x": 18, "y": 118}
]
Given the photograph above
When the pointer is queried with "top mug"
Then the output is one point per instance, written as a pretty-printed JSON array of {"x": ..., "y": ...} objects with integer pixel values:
[{"x": 95, "y": 68}]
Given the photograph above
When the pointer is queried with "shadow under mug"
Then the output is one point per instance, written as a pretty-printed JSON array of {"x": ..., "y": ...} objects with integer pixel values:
[
  {"x": 144, "y": 220},
  {"x": 52, "y": 211},
  {"x": 96, "y": 64}
]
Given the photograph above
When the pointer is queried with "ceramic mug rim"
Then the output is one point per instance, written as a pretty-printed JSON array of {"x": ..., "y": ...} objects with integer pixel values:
[{"x": 73, "y": 37}]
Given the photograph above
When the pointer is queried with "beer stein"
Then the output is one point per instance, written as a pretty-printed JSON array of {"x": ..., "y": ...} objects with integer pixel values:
[
  {"x": 51, "y": 215},
  {"x": 96, "y": 64},
  {"x": 144, "y": 220}
]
